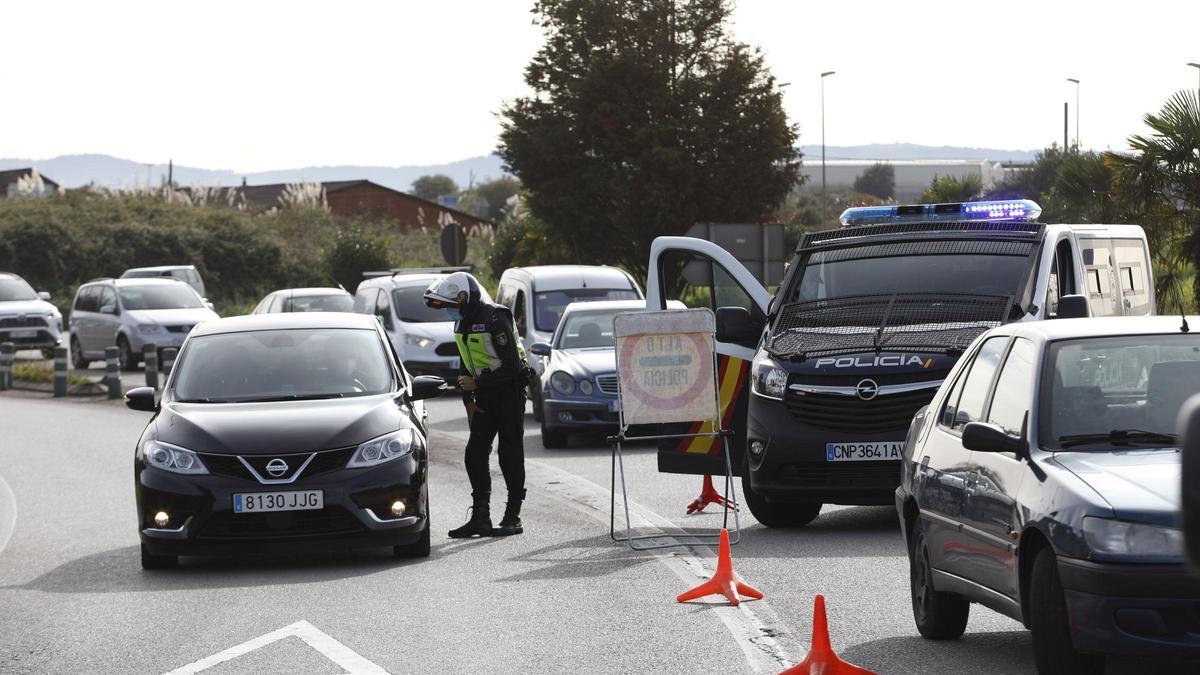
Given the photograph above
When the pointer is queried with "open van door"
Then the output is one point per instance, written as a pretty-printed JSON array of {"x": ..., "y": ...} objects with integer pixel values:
[{"x": 699, "y": 273}]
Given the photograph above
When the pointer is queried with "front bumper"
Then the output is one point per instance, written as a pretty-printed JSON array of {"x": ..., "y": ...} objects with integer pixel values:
[
  {"x": 355, "y": 512},
  {"x": 161, "y": 341},
  {"x": 793, "y": 467},
  {"x": 1132, "y": 609},
  {"x": 585, "y": 415},
  {"x": 40, "y": 337}
]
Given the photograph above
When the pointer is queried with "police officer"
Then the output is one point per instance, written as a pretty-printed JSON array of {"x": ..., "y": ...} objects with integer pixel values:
[{"x": 491, "y": 377}]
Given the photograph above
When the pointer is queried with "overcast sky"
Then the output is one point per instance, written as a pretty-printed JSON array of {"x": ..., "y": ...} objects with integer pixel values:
[{"x": 254, "y": 85}]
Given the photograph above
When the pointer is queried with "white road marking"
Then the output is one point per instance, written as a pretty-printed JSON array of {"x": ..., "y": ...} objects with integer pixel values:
[
  {"x": 347, "y": 658},
  {"x": 8, "y": 513},
  {"x": 754, "y": 625}
]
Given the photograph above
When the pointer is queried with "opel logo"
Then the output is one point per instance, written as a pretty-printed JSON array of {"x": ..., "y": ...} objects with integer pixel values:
[
  {"x": 867, "y": 389},
  {"x": 277, "y": 467}
]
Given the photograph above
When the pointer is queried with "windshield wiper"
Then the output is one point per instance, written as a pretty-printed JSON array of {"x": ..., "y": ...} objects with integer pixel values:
[
  {"x": 288, "y": 397},
  {"x": 193, "y": 400},
  {"x": 1118, "y": 437}
]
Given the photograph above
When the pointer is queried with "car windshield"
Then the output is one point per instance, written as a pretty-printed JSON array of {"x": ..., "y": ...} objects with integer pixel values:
[
  {"x": 583, "y": 330},
  {"x": 318, "y": 303},
  {"x": 936, "y": 274},
  {"x": 410, "y": 306},
  {"x": 142, "y": 274},
  {"x": 548, "y": 306},
  {"x": 1107, "y": 392},
  {"x": 160, "y": 296},
  {"x": 15, "y": 289},
  {"x": 282, "y": 365}
]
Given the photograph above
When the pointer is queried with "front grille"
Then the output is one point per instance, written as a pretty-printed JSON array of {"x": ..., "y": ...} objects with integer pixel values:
[
  {"x": 446, "y": 349},
  {"x": 608, "y": 384},
  {"x": 331, "y": 520},
  {"x": 886, "y": 412},
  {"x": 178, "y": 329},
  {"x": 230, "y": 465},
  {"x": 883, "y": 475},
  {"x": 23, "y": 322}
]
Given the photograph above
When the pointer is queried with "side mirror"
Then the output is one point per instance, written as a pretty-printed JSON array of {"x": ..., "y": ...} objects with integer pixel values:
[
  {"x": 1189, "y": 441},
  {"x": 984, "y": 437},
  {"x": 1073, "y": 307},
  {"x": 734, "y": 324},
  {"x": 141, "y": 398},
  {"x": 108, "y": 309},
  {"x": 425, "y": 386},
  {"x": 540, "y": 349},
  {"x": 209, "y": 305},
  {"x": 44, "y": 295}
]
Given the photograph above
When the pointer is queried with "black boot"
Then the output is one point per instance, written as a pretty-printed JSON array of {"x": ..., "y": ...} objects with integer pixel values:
[
  {"x": 480, "y": 523},
  {"x": 510, "y": 524}
]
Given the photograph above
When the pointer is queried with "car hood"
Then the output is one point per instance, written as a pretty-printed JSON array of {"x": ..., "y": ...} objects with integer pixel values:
[
  {"x": 596, "y": 361},
  {"x": 172, "y": 317},
  {"x": 278, "y": 428},
  {"x": 11, "y": 307},
  {"x": 1139, "y": 485}
]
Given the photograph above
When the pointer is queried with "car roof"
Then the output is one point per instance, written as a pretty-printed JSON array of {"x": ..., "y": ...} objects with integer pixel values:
[
  {"x": 159, "y": 268},
  {"x": 1066, "y": 329},
  {"x": 604, "y": 306},
  {"x": 311, "y": 291},
  {"x": 563, "y": 277},
  {"x": 402, "y": 280},
  {"x": 145, "y": 281},
  {"x": 287, "y": 320}
]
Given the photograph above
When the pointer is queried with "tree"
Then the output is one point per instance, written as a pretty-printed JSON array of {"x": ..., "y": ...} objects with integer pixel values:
[
  {"x": 878, "y": 180},
  {"x": 1033, "y": 181},
  {"x": 646, "y": 118},
  {"x": 433, "y": 186},
  {"x": 496, "y": 194},
  {"x": 945, "y": 189},
  {"x": 355, "y": 251}
]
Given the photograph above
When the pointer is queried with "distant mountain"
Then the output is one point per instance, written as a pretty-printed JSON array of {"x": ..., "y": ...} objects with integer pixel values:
[{"x": 79, "y": 170}]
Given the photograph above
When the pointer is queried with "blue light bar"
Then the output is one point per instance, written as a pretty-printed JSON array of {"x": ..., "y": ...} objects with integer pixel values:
[{"x": 1005, "y": 209}]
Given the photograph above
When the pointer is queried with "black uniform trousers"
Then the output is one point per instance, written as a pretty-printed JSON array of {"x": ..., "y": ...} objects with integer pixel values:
[{"x": 501, "y": 413}]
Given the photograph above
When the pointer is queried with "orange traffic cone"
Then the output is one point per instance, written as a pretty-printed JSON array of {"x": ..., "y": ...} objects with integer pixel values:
[
  {"x": 821, "y": 660},
  {"x": 709, "y": 495},
  {"x": 725, "y": 581}
]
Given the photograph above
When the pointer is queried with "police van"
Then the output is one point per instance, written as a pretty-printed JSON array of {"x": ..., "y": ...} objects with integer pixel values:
[{"x": 820, "y": 379}]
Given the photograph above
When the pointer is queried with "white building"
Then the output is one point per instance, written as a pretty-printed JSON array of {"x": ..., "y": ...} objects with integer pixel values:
[{"x": 913, "y": 176}]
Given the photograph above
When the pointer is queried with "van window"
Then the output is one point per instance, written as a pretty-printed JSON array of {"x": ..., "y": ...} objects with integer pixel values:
[
  {"x": 520, "y": 316},
  {"x": 1133, "y": 276},
  {"x": 1097, "y": 261},
  {"x": 383, "y": 310},
  {"x": 548, "y": 306},
  {"x": 411, "y": 307},
  {"x": 1062, "y": 276},
  {"x": 87, "y": 299},
  {"x": 108, "y": 298},
  {"x": 364, "y": 300}
]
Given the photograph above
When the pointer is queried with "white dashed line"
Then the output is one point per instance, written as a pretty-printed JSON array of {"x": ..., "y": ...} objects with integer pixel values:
[
  {"x": 8, "y": 513},
  {"x": 343, "y": 656}
]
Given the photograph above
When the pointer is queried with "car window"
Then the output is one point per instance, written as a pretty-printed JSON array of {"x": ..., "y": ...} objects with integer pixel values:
[
  {"x": 1014, "y": 388},
  {"x": 364, "y": 300},
  {"x": 86, "y": 300},
  {"x": 160, "y": 296},
  {"x": 318, "y": 303},
  {"x": 108, "y": 298},
  {"x": 520, "y": 316},
  {"x": 15, "y": 289},
  {"x": 583, "y": 330},
  {"x": 969, "y": 406}
]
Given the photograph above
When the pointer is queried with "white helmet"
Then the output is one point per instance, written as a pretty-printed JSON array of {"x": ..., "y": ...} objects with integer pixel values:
[{"x": 455, "y": 290}]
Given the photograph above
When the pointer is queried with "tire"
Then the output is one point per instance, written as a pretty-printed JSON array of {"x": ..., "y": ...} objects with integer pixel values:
[
  {"x": 1052, "y": 648},
  {"x": 126, "y": 359},
  {"x": 776, "y": 514},
  {"x": 939, "y": 615},
  {"x": 158, "y": 562},
  {"x": 78, "y": 360},
  {"x": 553, "y": 440},
  {"x": 418, "y": 549}
]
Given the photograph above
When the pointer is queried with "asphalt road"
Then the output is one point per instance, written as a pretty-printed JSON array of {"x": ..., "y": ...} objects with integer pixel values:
[{"x": 562, "y": 596}]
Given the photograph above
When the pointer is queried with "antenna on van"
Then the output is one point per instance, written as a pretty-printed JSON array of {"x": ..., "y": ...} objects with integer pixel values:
[{"x": 1183, "y": 327}]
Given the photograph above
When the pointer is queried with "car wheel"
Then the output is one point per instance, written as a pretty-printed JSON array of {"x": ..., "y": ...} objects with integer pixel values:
[
  {"x": 939, "y": 615},
  {"x": 1052, "y": 648},
  {"x": 77, "y": 359},
  {"x": 551, "y": 439},
  {"x": 158, "y": 562},
  {"x": 776, "y": 514},
  {"x": 125, "y": 356},
  {"x": 417, "y": 549}
]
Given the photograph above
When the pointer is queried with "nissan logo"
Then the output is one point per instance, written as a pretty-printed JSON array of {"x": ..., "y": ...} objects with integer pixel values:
[
  {"x": 867, "y": 389},
  {"x": 277, "y": 467}
]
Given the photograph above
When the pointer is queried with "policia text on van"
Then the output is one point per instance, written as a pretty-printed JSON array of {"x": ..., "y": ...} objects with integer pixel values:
[{"x": 867, "y": 322}]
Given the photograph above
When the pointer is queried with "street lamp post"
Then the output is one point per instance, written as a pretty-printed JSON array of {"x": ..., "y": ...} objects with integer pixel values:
[
  {"x": 823, "y": 195},
  {"x": 1196, "y": 66},
  {"x": 1071, "y": 79}
]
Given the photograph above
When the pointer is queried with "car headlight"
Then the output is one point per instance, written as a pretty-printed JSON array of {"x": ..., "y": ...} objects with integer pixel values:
[
  {"x": 384, "y": 449},
  {"x": 1139, "y": 540},
  {"x": 149, "y": 328},
  {"x": 172, "y": 458},
  {"x": 768, "y": 379},
  {"x": 585, "y": 387},
  {"x": 418, "y": 341},
  {"x": 562, "y": 383}
]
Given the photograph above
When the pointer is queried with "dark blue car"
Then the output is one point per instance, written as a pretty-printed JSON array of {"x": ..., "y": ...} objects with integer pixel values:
[{"x": 1043, "y": 482}]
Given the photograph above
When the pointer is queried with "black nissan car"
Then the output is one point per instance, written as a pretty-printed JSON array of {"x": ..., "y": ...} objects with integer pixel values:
[{"x": 283, "y": 431}]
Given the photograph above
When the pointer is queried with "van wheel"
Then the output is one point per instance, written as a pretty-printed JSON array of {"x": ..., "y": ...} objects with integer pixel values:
[
  {"x": 776, "y": 514},
  {"x": 77, "y": 359},
  {"x": 1052, "y": 648},
  {"x": 418, "y": 549},
  {"x": 553, "y": 440},
  {"x": 158, "y": 562},
  {"x": 125, "y": 355},
  {"x": 939, "y": 615}
]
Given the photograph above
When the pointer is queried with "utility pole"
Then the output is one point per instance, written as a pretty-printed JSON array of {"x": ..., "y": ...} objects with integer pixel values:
[
  {"x": 823, "y": 193},
  {"x": 171, "y": 173},
  {"x": 1065, "y": 118},
  {"x": 1078, "y": 146}
]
